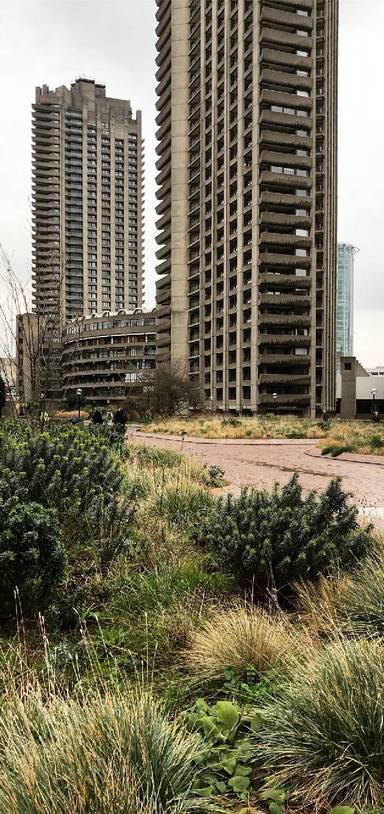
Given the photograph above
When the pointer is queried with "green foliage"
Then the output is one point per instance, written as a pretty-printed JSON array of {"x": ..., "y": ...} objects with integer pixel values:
[
  {"x": 250, "y": 689},
  {"x": 63, "y": 467},
  {"x": 342, "y": 810},
  {"x": 275, "y": 800},
  {"x": 32, "y": 557},
  {"x": 275, "y": 538},
  {"x": 215, "y": 476},
  {"x": 153, "y": 456},
  {"x": 2, "y": 394},
  {"x": 322, "y": 736},
  {"x": 226, "y": 765},
  {"x": 334, "y": 450},
  {"x": 155, "y": 608}
]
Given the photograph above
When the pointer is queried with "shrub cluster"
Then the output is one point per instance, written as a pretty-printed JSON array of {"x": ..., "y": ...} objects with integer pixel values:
[
  {"x": 271, "y": 539},
  {"x": 57, "y": 487}
]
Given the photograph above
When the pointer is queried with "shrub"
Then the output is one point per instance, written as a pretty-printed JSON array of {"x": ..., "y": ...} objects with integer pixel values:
[
  {"x": 119, "y": 753},
  {"x": 240, "y": 637},
  {"x": 31, "y": 555},
  {"x": 215, "y": 476},
  {"x": 335, "y": 449},
  {"x": 323, "y": 734},
  {"x": 63, "y": 467},
  {"x": 274, "y": 538}
]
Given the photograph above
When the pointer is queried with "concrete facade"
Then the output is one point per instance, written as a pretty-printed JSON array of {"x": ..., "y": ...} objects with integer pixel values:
[
  {"x": 106, "y": 354},
  {"x": 87, "y": 201},
  {"x": 247, "y": 107}
]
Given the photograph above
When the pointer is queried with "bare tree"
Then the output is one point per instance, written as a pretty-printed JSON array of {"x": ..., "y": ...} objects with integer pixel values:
[
  {"x": 30, "y": 341},
  {"x": 167, "y": 390}
]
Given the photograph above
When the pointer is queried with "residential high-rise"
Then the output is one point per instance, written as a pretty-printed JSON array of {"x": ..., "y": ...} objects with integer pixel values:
[
  {"x": 87, "y": 201},
  {"x": 344, "y": 299},
  {"x": 247, "y": 107}
]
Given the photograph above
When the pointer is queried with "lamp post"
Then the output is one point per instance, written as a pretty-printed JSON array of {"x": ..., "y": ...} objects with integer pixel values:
[
  {"x": 42, "y": 408},
  {"x": 374, "y": 410},
  {"x": 274, "y": 396},
  {"x": 79, "y": 394}
]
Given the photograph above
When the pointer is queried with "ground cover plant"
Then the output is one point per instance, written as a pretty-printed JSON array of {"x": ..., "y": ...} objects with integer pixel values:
[{"x": 165, "y": 676}]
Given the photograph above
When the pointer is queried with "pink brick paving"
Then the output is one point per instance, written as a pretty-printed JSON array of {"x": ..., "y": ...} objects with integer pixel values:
[{"x": 264, "y": 463}]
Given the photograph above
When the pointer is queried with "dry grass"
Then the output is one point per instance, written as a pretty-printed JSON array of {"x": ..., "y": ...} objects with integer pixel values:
[
  {"x": 242, "y": 637},
  {"x": 319, "y": 605},
  {"x": 106, "y": 754},
  {"x": 209, "y": 426},
  {"x": 361, "y": 437}
]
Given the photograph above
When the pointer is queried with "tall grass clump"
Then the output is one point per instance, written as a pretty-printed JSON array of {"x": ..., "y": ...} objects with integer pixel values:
[
  {"x": 352, "y": 605},
  {"x": 322, "y": 737},
  {"x": 240, "y": 637},
  {"x": 106, "y": 755},
  {"x": 362, "y": 601}
]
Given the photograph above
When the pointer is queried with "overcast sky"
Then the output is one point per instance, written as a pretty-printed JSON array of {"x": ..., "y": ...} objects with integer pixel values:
[{"x": 55, "y": 41}]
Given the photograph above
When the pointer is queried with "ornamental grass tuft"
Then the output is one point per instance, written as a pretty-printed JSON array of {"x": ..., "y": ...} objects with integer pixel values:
[
  {"x": 114, "y": 754},
  {"x": 322, "y": 737}
]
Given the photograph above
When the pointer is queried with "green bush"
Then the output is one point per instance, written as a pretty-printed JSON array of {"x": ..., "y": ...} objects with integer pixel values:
[
  {"x": 322, "y": 736},
  {"x": 31, "y": 555},
  {"x": 67, "y": 468},
  {"x": 336, "y": 449},
  {"x": 274, "y": 538},
  {"x": 63, "y": 467}
]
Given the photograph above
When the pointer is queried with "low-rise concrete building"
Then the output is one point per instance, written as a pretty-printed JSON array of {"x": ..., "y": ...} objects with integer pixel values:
[
  {"x": 359, "y": 393},
  {"x": 106, "y": 354}
]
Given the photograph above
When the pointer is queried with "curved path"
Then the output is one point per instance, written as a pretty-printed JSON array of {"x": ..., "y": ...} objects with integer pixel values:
[{"x": 264, "y": 463}]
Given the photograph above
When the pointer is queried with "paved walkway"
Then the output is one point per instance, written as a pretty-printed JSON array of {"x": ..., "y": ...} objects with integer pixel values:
[{"x": 264, "y": 463}]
